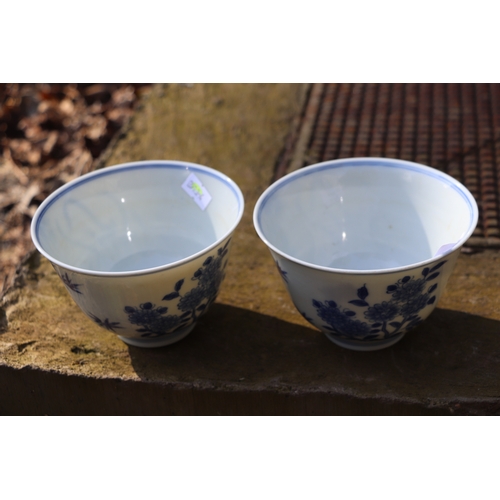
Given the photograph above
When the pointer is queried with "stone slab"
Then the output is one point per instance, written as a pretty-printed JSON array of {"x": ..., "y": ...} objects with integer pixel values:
[{"x": 252, "y": 354}]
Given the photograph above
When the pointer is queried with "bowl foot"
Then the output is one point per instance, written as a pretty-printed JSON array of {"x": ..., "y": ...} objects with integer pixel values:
[
  {"x": 159, "y": 341},
  {"x": 360, "y": 345}
]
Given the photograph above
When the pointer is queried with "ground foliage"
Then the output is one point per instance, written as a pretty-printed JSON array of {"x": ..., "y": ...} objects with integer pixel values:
[{"x": 50, "y": 134}]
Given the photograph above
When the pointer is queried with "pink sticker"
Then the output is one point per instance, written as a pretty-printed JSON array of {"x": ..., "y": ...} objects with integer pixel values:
[{"x": 444, "y": 248}]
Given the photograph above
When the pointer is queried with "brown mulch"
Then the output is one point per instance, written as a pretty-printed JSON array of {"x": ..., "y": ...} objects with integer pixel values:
[{"x": 50, "y": 134}]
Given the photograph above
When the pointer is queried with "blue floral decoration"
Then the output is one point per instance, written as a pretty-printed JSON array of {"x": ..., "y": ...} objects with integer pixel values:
[
  {"x": 74, "y": 287},
  {"x": 283, "y": 274},
  {"x": 154, "y": 321},
  {"x": 108, "y": 325},
  {"x": 408, "y": 296}
]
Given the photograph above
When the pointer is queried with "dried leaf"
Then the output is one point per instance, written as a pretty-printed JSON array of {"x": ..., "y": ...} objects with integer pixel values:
[
  {"x": 96, "y": 127},
  {"x": 50, "y": 142},
  {"x": 28, "y": 195},
  {"x": 50, "y": 134},
  {"x": 67, "y": 107}
]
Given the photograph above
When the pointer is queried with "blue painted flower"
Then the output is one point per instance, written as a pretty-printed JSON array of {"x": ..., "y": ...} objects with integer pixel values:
[
  {"x": 409, "y": 296},
  {"x": 355, "y": 328},
  {"x": 192, "y": 299},
  {"x": 385, "y": 311},
  {"x": 406, "y": 288},
  {"x": 153, "y": 320},
  {"x": 339, "y": 321},
  {"x": 210, "y": 276},
  {"x": 414, "y": 305}
]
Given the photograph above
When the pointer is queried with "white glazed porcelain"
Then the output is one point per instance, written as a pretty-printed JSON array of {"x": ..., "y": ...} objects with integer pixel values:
[
  {"x": 142, "y": 247},
  {"x": 365, "y": 246}
]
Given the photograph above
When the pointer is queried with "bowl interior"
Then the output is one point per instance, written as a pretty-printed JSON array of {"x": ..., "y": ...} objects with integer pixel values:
[
  {"x": 365, "y": 214},
  {"x": 136, "y": 216}
]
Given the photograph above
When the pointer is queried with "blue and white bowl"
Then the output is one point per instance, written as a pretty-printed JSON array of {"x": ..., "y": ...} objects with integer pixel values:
[
  {"x": 365, "y": 246},
  {"x": 142, "y": 247}
]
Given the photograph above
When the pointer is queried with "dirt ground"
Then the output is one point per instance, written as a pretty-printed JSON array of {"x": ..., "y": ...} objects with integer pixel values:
[{"x": 50, "y": 134}]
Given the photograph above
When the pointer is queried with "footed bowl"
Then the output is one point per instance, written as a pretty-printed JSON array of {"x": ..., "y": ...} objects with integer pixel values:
[
  {"x": 142, "y": 247},
  {"x": 365, "y": 246}
]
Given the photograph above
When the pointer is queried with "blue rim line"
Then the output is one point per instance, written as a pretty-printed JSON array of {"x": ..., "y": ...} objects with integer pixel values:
[
  {"x": 368, "y": 162},
  {"x": 107, "y": 171},
  {"x": 63, "y": 190}
]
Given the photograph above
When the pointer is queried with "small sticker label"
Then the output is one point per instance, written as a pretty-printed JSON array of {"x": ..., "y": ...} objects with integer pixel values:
[
  {"x": 444, "y": 248},
  {"x": 194, "y": 188}
]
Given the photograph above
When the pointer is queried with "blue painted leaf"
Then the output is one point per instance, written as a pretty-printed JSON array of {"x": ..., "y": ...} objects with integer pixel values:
[
  {"x": 438, "y": 266},
  {"x": 200, "y": 308},
  {"x": 432, "y": 288},
  {"x": 406, "y": 279},
  {"x": 129, "y": 309},
  {"x": 376, "y": 325},
  {"x": 432, "y": 300},
  {"x": 432, "y": 276},
  {"x": 171, "y": 296},
  {"x": 197, "y": 273},
  {"x": 331, "y": 303},
  {"x": 142, "y": 330},
  {"x": 162, "y": 310},
  {"x": 375, "y": 331},
  {"x": 178, "y": 285},
  {"x": 186, "y": 315},
  {"x": 363, "y": 292},
  {"x": 147, "y": 306},
  {"x": 307, "y": 317},
  {"x": 395, "y": 324},
  {"x": 411, "y": 318},
  {"x": 391, "y": 288},
  {"x": 317, "y": 304},
  {"x": 349, "y": 313},
  {"x": 359, "y": 303},
  {"x": 414, "y": 323},
  {"x": 209, "y": 259},
  {"x": 425, "y": 271},
  {"x": 224, "y": 247}
]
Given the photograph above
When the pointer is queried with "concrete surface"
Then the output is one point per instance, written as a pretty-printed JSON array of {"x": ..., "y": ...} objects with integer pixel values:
[{"x": 252, "y": 354}]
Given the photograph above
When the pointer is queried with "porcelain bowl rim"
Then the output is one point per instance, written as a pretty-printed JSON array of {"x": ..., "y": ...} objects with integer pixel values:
[
  {"x": 45, "y": 205},
  {"x": 375, "y": 161}
]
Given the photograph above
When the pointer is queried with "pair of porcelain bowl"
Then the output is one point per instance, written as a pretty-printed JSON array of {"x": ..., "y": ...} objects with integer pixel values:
[{"x": 365, "y": 246}]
